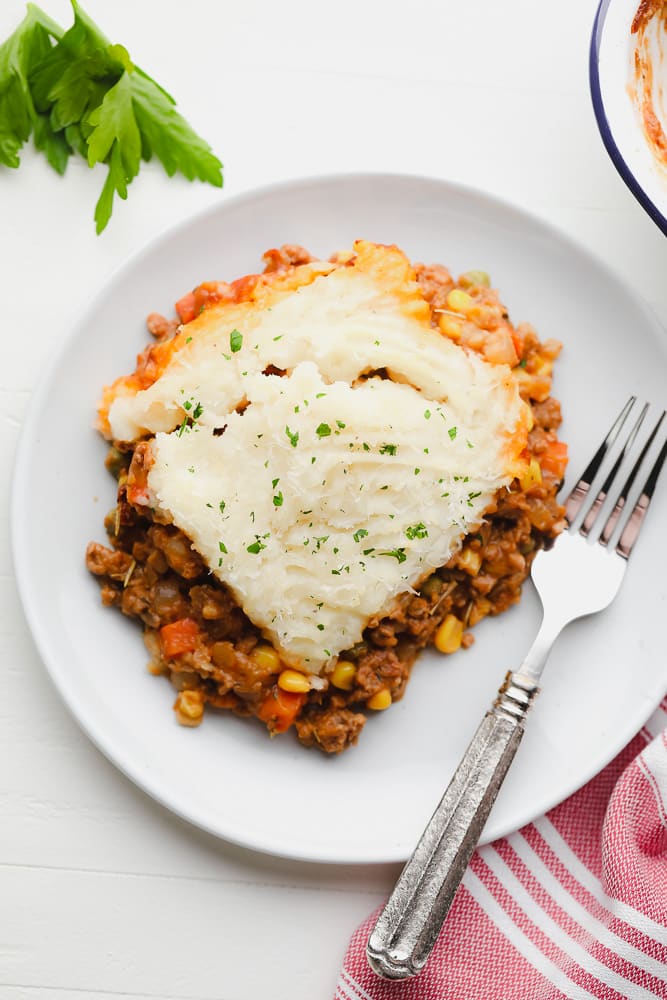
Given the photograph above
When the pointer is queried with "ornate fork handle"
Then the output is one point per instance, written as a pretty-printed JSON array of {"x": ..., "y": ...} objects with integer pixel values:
[{"x": 411, "y": 920}]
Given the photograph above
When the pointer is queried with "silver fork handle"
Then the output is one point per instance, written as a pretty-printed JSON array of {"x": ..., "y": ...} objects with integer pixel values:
[{"x": 410, "y": 922}]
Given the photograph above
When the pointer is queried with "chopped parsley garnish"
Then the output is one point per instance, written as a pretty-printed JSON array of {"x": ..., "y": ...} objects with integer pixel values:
[
  {"x": 293, "y": 437},
  {"x": 452, "y": 432},
  {"x": 256, "y": 547},
  {"x": 427, "y": 414},
  {"x": 222, "y": 547},
  {"x": 275, "y": 482},
  {"x": 222, "y": 506},
  {"x": 323, "y": 431},
  {"x": 278, "y": 499},
  {"x": 416, "y": 531},
  {"x": 235, "y": 341},
  {"x": 358, "y": 535},
  {"x": 388, "y": 449},
  {"x": 366, "y": 446},
  {"x": 340, "y": 424},
  {"x": 321, "y": 627},
  {"x": 398, "y": 554},
  {"x": 417, "y": 471}
]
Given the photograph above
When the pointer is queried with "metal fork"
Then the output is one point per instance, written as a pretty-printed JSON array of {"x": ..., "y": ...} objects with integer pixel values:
[{"x": 580, "y": 576}]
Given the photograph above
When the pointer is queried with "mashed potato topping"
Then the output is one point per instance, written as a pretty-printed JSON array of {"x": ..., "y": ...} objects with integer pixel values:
[{"x": 323, "y": 446}]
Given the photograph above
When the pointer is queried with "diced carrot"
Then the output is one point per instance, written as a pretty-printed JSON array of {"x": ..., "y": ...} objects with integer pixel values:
[
  {"x": 186, "y": 308},
  {"x": 179, "y": 637},
  {"x": 280, "y": 709},
  {"x": 554, "y": 459}
]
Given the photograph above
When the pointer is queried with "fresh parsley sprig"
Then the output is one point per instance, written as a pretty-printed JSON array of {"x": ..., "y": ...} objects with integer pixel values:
[{"x": 75, "y": 92}]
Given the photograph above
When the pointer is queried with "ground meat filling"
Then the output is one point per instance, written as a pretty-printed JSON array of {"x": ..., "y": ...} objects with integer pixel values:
[{"x": 214, "y": 656}]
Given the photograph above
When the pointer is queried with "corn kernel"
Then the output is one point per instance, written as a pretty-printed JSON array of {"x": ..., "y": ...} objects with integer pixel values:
[
  {"x": 292, "y": 680},
  {"x": 459, "y": 301},
  {"x": 189, "y": 707},
  {"x": 266, "y": 658},
  {"x": 380, "y": 700},
  {"x": 532, "y": 476},
  {"x": 343, "y": 675},
  {"x": 471, "y": 278},
  {"x": 449, "y": 634},
  {"x": 479, "y": 610},
  {"x": 470, "y": 560},
  {"x": 450, "y": 326}
]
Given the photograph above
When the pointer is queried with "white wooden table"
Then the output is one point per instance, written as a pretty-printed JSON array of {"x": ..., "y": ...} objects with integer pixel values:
[{"x": 102, "y": 892}]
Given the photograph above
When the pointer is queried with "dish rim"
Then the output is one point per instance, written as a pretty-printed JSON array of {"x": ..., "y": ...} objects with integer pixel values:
[
  {"x": 604, "y": 127},
  {"x": 139, "y": 776}
]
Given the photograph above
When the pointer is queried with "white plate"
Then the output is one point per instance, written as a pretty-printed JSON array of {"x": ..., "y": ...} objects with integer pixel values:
[
  {"x": 611, "y": 72},
  {"x": 370, "y": 804}
]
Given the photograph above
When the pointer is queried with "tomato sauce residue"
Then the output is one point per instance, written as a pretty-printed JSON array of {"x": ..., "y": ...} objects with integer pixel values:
[{"x": 649, "y": 26}]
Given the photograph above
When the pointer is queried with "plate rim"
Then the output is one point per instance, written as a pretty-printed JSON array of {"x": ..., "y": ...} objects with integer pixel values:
[
  {"x": 141, "y": 778},
  {"x": 604, "y": 127}
]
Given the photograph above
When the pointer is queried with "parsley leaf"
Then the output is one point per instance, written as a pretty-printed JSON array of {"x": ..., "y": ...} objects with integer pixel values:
[
  {"x": 19, "y": 55},
  {"x": 167, "y": 134},
  {"x": 74, "y": 92},
  {"x": 115, "y": 140},
  {"x": 323, "y": 430},
  {"x": 235, "y": 341}
]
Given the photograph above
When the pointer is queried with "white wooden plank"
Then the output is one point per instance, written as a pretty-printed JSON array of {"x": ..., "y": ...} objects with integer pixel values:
[
  {"x": 49, "y": 993},
  {"x": 171, "y": 938}
]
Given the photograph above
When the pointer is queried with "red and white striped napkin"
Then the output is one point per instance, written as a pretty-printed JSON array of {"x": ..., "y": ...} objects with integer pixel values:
[{"x": 573, "y": 905}]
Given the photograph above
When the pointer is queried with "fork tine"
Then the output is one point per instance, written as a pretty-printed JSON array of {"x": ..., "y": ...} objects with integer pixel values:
[
  {"x": 594, "y": 509},
  {"x": 613, "y": 518},
  {"x": 576, "y": 498},
  {"x": 632, "y": 528}
]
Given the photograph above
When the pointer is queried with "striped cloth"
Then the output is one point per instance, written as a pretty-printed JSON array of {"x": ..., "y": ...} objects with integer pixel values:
[{"x": 572, "y": 906}]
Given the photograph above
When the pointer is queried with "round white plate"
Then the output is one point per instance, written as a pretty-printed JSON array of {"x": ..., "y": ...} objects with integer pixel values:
[
  {"x": 610, "y": 72},
  {"x": 370, "y": 804}
]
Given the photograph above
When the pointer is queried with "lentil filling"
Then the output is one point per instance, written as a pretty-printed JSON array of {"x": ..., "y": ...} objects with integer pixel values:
[{"x": 200, "y": 639}]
